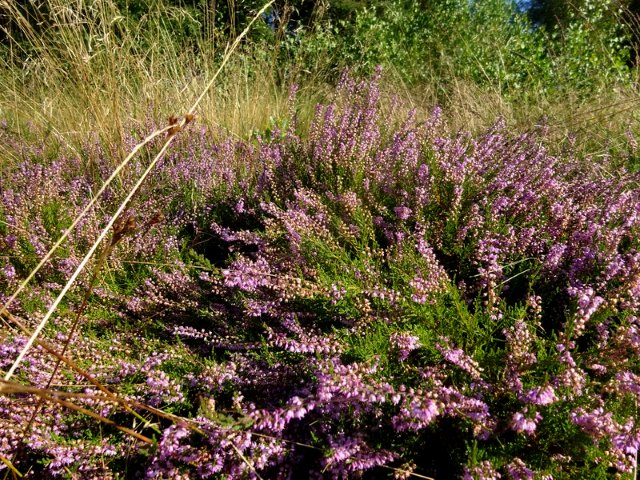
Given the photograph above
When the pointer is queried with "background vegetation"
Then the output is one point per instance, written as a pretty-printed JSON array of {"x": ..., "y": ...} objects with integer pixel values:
[{"x": 128, "y": 59}]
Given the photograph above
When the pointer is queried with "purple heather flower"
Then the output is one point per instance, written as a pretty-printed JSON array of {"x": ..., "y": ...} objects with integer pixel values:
[
  {"x": 518, "y": 470},
  {"x": 540, "y": 396},
  {"x": 11, "y": 241},
  {"x": 522, "y": 422},
  {"x": 588, "y": 303},
  {"x": 239, "y": 206},
  {"x": 416, "y": 413},
  {"x": 483, "y": 471},
  {"x": 402, "y": 212},
  {"x": 626, "y": 381},
  {"x": 404, "y": 343},
  {"x": 459, "y": 358},
  {"x": 9, "y": 271},
  {"x": 248, "y": 275}
]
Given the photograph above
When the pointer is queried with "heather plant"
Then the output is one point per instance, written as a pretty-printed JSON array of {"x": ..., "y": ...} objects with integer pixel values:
[
  {"x": 361, "y": 297},
  {"x": 484, "y": 60}
]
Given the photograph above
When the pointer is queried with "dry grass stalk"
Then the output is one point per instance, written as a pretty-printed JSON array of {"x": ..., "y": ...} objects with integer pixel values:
[{"x": 48, "y": 395}]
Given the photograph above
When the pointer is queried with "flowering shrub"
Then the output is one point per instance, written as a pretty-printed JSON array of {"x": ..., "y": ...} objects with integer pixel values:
[{"x": 370, "y": 298}]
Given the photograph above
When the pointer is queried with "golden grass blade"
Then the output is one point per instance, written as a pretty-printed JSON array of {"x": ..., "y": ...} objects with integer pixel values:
[
  {"x": 126, "y": 403},
  {"x": 12, "y": 319},
  {"x": 102, "y": 419},
  {"x": 244, "y": 459},
  {"x": 407, "y": 473},
  {"x": 52, "y": 396},
  {"x": 10, "y": 466}
]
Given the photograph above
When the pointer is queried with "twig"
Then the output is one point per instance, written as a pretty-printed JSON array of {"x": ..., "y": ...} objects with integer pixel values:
[
  {"x": 244, "y": 459},
  {"x": 406, "y": 472},
  {"x": 10, "y": 466},
  {"x": 516, "y": 275}
]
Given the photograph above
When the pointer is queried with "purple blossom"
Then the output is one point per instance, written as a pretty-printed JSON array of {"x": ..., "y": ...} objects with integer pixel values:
[
  {"x": 457, "y": 357},
  {"x": 403, "y": 343},
  {"x": 518, "y": 470},
  {"x": 247, "y": 274},
  {"x": 402, "y": 212},
  {"x": 523, "y": 422},
  {"x": 416, "y": 413},
  {"x": 483, "y": 471},
  {"x": 540, "y": 396}
]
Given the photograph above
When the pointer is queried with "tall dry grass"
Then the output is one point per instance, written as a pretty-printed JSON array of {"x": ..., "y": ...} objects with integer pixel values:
[
  {"x": 595, "y": 124},
  {"x": 83, "y": 70}
]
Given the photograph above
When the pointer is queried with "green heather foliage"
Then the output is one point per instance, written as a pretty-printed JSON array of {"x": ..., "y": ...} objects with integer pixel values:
[{"x": 371, "y": 297}]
